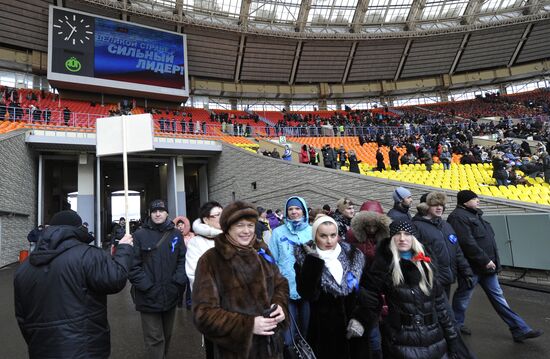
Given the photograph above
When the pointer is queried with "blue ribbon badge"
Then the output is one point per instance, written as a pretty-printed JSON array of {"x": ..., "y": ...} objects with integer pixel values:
[
  {"x": 174, "y": 242},
  {"x": 264, "y": 254},
  {"x": 352, "y": 281},
  {"x": 285, "y": 239},
  {"x": 452, "y": 238}
]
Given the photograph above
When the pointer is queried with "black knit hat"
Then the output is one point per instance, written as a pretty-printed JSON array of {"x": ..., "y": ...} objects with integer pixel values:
[
  {"x": 464, "y": 196},
  {"x": 66, "y": 218},
  {"x": 402, "y": 225},
  {"x": 158, "y": 204},
  {"x": 236, "y": 211}
]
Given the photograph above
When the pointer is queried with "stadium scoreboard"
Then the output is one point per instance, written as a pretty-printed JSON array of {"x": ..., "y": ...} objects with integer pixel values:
[{"x": 92, "y": 53}]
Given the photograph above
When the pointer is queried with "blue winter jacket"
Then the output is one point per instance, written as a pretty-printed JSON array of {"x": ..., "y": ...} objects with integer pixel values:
[{"x": 282, "y": 243}]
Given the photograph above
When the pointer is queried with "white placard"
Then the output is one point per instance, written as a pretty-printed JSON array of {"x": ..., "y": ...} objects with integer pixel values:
[{"x": 139, "y": 134}]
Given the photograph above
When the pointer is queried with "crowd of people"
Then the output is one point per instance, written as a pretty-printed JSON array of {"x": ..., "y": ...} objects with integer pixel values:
[{"x": 354, "y": 284}]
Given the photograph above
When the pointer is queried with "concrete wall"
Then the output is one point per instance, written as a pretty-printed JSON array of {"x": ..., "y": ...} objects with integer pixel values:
[
  {"x": 18, "y": 187},
  {"x": 235, "y": 169}
]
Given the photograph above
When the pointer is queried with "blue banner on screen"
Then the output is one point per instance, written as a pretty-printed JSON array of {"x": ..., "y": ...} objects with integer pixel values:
[{"x": 124, "y": 52}]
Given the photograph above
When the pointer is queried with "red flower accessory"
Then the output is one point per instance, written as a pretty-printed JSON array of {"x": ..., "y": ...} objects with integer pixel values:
[{"x": 421, "y": 257}]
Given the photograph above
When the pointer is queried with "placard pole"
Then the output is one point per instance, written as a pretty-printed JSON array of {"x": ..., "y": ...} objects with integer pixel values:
[{"x": 125, "y": 169}]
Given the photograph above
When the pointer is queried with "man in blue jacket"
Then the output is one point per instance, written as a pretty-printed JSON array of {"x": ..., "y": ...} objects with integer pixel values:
[
  {"x": 157, "y": 276},
  {"x": 61, "y": 291},
  {"x": 294, "y": 232}
]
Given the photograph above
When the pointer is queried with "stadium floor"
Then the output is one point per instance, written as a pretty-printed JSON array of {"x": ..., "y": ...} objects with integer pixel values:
[{"x": 490, "y": 338}]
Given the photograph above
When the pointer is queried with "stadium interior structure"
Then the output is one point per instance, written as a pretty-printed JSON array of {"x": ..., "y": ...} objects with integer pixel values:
[{"x": 257, "y": 62}]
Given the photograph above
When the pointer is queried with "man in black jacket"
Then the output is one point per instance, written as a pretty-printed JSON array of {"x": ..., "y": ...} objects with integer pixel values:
[
  {"x": 477, "y": 240},
  {"x": 61, "y": 291},
  {"x": 402, "y": 199},
  {"x": 441, "y": 241},
  {"x": 157, "y": 275}
]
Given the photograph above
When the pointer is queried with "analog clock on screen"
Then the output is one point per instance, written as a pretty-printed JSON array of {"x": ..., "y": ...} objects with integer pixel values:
[{"x": 73, "y": 29}]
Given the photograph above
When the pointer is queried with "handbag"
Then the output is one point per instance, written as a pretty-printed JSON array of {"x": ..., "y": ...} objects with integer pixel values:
[{"x": 299, "y": 349}]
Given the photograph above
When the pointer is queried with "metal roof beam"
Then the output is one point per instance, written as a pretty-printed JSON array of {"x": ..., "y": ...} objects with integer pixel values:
[
  {"x": 297, "y": 54},
  {"x": 301, "y": 22},
  {"x": 243, "y": 15},
  {"x": 532, "y": 7},
  {"x": 416, "y": 10},
  {"x": 472, "y": 12},
  {"x": 359, "y": 15},
  {"x": 403, "y": 59},
  {"x": 239, "y": 64},
  {"x": 463, "y": 44},
  {"x": 349, "y": 62},
  {"x": 521, "y": 42}
]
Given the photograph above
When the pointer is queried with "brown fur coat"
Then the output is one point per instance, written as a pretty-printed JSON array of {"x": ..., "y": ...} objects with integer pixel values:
[{"x": 231, "y": 288}]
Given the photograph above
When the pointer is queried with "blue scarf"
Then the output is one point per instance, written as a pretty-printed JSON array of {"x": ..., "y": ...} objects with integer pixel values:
[
  {"x": 297, "y": 226},
  {"x": 406, "y": 255}
]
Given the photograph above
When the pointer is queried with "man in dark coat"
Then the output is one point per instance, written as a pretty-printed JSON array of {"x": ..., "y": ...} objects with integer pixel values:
[
  {"x": 402, "y": 199},
  {"x": 441, "y": 241},
  {"x": 61, "y": 291},
  {"x": 477, "y": 240},
  {"x": 157, "y": 276}
]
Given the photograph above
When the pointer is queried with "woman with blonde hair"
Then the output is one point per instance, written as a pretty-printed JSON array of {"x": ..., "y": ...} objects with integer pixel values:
[{"x": 417, "y": 324}]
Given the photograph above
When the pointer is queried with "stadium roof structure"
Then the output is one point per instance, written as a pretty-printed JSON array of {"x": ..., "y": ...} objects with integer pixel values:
[{"x": 338, "y": 18}]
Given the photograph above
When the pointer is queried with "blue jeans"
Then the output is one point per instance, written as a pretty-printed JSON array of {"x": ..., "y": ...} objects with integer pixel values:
[
  {"x": 375, "y": 339},
  {"x": 299, "y": 309},
  {"x": 491, "y": 286}
]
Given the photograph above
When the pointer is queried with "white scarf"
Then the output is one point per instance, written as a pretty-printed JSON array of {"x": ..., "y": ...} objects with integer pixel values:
[{"x": 332, "y": 263}]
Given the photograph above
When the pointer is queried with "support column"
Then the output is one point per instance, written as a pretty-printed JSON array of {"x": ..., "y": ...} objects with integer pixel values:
[
  {"x": 203, "y": 184},
  {"x": 180, "y": 186},
  {"x": 98, "y": 214},
  {"x": 502, "y": 89},
  {"x": 163, "y": 176},
  {"x": 176, "y": 187},
  {"x": 233, "y": 103},
  {"x": 86, "y": 191},
  {"x": 40, "y": 216}
]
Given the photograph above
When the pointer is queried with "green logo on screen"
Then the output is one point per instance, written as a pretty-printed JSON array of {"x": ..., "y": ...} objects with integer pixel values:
[{"x": 73, "y": 65}]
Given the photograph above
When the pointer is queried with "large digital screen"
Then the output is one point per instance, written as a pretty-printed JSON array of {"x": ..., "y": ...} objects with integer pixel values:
[{"x": 89, "y": 52}]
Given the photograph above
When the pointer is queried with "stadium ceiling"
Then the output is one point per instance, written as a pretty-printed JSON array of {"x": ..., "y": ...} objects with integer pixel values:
[{"x": 337, "y": 18}]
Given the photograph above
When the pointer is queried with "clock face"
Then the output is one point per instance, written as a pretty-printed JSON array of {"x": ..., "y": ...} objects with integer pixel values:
[{"x": 73, "y": 29}]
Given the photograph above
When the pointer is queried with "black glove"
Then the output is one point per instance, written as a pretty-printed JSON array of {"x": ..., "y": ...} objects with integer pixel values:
[
  {"x": 452, "y": 348},
  {"x": 469, "y": 281}
]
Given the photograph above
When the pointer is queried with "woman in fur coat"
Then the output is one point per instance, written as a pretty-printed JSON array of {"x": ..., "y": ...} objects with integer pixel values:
[
  {"x": 240, "y": 299},
  {"x": 417, "y": 324},
  {"x": 328, "y": 275}
]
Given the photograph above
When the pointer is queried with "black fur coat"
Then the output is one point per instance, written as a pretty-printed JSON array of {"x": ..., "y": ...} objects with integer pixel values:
[
  {"x": 417, "y": 325},
  {"x": 331, "y": 303}
]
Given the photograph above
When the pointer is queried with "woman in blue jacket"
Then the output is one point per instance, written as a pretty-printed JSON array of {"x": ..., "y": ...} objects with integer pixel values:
[{"x": 294, "y": 232}]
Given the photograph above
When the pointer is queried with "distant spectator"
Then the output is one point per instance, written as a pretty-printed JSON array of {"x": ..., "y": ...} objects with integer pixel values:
[
  {"x": 353, "y": 162},
  {"x": 394, "y": 158},
  {"x": 66, "y": 115},
  {"x": 380, "y": 166}
]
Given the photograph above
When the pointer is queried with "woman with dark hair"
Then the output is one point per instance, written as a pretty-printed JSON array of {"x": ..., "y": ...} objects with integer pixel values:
[
  {"x": 417, "y": 324},
  {"x": 206, "y": 228},
  {"x": 240, "y": 297}
]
